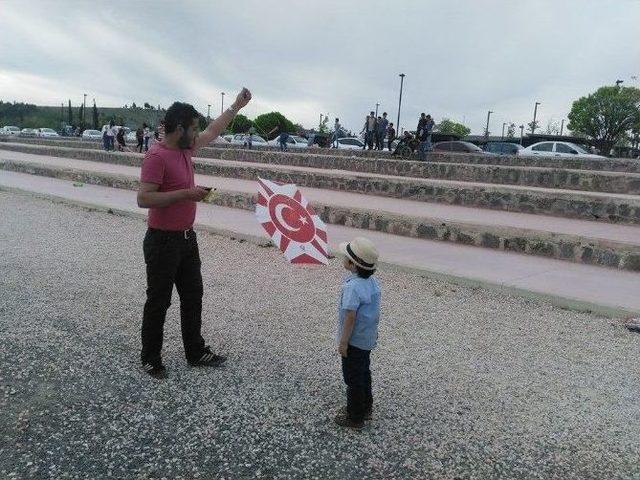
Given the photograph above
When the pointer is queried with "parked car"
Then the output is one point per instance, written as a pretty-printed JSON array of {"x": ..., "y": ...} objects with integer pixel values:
[
  {"x": 350, "y": 143},
  {"x": 556, "y": 149},
  {"x": 294, "y": 141},
  {"x": 10, "y": 130},
  {"x": 28, "y": 132},
  {"x": 92, "y": 135},
  {"x": 503, "y": 148},
  {"x": 458, "y": 146},
  {"x": 240, "y": 139},
  {"x": 47, "y": 132}
]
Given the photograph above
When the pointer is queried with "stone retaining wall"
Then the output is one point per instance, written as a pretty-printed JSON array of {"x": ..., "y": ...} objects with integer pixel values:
[
  {"x": 564, "y": 247},
  {"x": 571, "y": 204},
  {"x": 372, "y": 162}
]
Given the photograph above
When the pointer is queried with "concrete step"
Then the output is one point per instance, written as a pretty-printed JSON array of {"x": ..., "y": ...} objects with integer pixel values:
[
  {"x": 617, "y": 208},
  {"x": 574, "y": 240},
  {"x": 375, "y": 162},
  {"x": 583, "y": 287}
]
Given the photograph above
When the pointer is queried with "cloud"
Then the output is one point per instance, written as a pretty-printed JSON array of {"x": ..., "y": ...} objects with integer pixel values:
[{"x": 338, "y": 58}]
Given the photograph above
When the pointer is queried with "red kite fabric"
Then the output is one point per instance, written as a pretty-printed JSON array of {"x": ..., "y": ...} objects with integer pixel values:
[{"x": 291, "y": 223}]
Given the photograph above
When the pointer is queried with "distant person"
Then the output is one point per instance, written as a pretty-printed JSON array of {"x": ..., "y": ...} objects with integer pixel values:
[
  {"x": 424, "y": 135},
  {"x": 248, "y": 142},
  {"x": 111, "y": 135},
  {"x": 283, "y": 139},
  {"x": 140, "y": 139},
  {"x": 381, "y": 130},
  {"x": 105, "y": 138},
  {"x": 122, "y": 146},
  {"x": 161, "y": 128},
  {"x": 336, "y": 132},
  {"x": 369, "y": 130},
  {"x": 391, "y": 135},
  {"x": 146, "y": 133}
]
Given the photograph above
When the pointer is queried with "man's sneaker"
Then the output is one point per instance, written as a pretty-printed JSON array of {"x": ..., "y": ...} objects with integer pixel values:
[
  {"x": 345, "y": 421},
  {"x": 208, "y": 359},
  {"x": 633, "y": 324},
  {"x": 367, "y": 413},
  {"x": 156, "y": 370}
]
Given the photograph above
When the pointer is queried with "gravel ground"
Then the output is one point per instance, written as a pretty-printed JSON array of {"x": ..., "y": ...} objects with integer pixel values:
[{"x": 468, "y": 383}]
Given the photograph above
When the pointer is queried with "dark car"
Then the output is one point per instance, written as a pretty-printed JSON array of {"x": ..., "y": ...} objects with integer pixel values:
[
  {"x": 503, "y": 148},
  {"x": 457, "y": 147}
]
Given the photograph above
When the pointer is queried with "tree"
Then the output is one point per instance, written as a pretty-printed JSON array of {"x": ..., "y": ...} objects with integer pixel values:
[
  {"x": 606, "y": 115},
  {"x": 95, "y": 116},
  {"x": 81, "y": 116},
  {"x": 322, "y": 127},
  {"x": 267, "y": 122},
  {"x": 533, "y": 126},
  {"x": 147, "y": 106},
  {"x": 511, "y": 130},
  {"x": 70, "y": 114},
  {"x": 240, "y": 124},
  {"x": 133, "y": 105},
  {"x": 455, "y": 128},
  {"x": 552, "y": 127}
]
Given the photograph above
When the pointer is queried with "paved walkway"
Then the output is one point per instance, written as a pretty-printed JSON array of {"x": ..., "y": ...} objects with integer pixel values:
[
  {"x": 564, "y": 283},
  {"x": 447, "y": 213}
]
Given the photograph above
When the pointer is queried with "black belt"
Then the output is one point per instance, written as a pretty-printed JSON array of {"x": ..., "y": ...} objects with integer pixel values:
[{"x": 186, "y": 234}]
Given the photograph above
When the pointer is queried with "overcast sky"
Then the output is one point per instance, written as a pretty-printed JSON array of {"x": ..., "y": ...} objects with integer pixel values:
[{"x": 302, "y": 58}]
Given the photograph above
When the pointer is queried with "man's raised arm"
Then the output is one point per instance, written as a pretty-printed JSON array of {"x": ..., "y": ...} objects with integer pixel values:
[{"x": 217, "y": 126}]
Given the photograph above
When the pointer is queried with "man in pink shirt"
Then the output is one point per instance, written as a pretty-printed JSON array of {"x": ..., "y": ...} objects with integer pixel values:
[{"x": 170, "y": 247}]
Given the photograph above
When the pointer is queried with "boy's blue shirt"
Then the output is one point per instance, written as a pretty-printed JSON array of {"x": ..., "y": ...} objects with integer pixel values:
[{"x": 361, "y": 295}]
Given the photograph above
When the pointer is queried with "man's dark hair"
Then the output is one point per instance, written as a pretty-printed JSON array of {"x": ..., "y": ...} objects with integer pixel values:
[
  {"x": 179, "y": 114},
  {"x": 372, "y": 113},
  {"x": 384, "y": 113}
]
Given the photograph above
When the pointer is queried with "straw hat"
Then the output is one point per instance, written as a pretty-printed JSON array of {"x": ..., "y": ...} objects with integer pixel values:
[{"x": 362, "y": 252}]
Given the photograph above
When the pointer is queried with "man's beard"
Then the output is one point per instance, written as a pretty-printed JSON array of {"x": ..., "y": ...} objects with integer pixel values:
[{"x": 185, "y": 143}]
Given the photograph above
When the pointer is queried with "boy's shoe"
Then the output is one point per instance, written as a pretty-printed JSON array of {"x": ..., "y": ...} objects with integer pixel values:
[
  {"x": 367, "y": 413},
  {"x": 208, "y": 359},
  {"x": 345, "y": 421},
  {"x": 156, "y": 370}
]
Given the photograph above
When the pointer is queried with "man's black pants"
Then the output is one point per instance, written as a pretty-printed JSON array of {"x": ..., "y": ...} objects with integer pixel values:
[
  {"x": 172, "y": 259},
  {"x": 357, "y": 375}
]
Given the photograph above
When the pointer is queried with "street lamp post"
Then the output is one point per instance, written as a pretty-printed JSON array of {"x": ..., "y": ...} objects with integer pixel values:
[
  {"x": 535, "y": 113},
  {"x": 402, "y": 75},
  {"x": 503, "y": 125},
  {"x": 377, "y": 105},
  {"x": 561, "y": 126},
  {"x": 222, "y": 105},
  {"x": 486, "y": 130},
  {"x": 521, "y": 133},
  {"x": 208, "y": 112},
  {"x": 619, "y": 82},
  {"x": 84, "y": 109}
]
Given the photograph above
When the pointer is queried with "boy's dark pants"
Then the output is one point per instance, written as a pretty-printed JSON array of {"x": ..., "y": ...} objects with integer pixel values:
[
  {"x": 172, "y": 259},
  {"x": 357, "y": 376}
]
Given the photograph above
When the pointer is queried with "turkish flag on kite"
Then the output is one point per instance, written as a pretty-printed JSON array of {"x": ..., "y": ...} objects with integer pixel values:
[{"x": 291, "y": 223}]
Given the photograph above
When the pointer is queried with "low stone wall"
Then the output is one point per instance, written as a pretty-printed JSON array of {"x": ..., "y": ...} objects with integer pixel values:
[
  {"x": 570, "y": 204},
  {"x": 564, "y": 247},
  {"x": 584, "y": 180}
]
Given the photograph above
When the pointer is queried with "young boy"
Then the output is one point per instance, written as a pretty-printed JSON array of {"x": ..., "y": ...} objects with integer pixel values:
[{"x": 358, "y": 329}]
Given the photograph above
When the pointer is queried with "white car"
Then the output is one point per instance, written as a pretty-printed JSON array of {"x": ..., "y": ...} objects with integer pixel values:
[
  {"x": 294, "y": 141},
  {"x": 92, "y": 135},
  {"x": 47, "y": 132},
  {"x": 556, "y": 149},
  {"x": 350, "y": 143},
  {"x": 129, "y": 137},
  {"x": 28, "y": 132},
  {"x": 241, "y": 139},
  {"x": 10, "y": 130}
]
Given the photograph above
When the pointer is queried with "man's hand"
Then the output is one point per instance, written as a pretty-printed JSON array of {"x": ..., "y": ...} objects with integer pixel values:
[
  {"x": 342, "y": 349},
  {"x": 242, "y": 99},
  {"x": 196, "y": 194}
]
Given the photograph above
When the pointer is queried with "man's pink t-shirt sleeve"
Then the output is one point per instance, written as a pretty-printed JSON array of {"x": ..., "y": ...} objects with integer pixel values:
[{"x": 152, "y": 169}]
